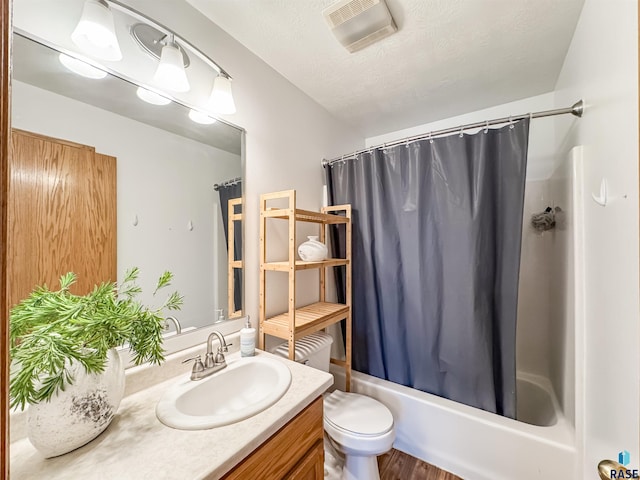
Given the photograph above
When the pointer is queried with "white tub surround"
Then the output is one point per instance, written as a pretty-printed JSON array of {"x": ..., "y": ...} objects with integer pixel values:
[
  {"x": 137, "y": 445},
  {"x": 473, "y": 443}
]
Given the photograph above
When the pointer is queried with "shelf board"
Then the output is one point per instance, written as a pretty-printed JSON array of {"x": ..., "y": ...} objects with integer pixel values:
[
  {"x": 305, "y": 216},
  {"x": 302, "y": 265},
  {"x": 236, "y": 264},
  {"x": 309, "y": 319}
]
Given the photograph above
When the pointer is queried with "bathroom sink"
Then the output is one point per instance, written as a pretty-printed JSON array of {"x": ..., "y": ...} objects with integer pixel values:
[{"x": 246, "y": 387}]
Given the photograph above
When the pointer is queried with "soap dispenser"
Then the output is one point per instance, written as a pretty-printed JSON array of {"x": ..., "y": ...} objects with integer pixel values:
[{"x": 248, "y": 340}]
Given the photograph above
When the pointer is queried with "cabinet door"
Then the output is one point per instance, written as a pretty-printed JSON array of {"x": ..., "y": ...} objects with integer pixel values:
[
  {"x": 61, "y": 215},
  {"x": 284, "y": 452},
  {"x": 311, "y": 466}
]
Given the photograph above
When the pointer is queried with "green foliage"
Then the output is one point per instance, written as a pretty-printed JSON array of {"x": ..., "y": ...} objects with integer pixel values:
[{"x": 49, "y": 330}]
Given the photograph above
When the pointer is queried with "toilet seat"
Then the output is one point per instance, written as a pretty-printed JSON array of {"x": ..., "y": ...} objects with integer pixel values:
[{"x": 357, "y": 415}]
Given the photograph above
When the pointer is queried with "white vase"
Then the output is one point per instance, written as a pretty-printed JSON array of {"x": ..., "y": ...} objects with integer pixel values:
[
  {"x": 77, "y": 415},
  {"x": 312, "y": 250}
]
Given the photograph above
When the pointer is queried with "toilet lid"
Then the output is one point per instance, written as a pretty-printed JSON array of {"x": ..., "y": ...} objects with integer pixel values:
[{"x": 358, "y": 414}]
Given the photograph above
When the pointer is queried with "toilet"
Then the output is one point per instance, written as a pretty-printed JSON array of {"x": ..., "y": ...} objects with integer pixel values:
[{"x": 359, "y": 427}]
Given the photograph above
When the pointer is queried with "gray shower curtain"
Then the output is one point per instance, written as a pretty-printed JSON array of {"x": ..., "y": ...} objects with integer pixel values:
[
  {"x": 227, "y": 192},
  {"x": 437, "y": 226}
]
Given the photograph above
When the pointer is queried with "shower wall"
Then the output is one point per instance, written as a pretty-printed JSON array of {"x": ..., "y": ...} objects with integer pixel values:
[
  {"x": 546, "y": 306},
  {"x": 532, "y": 335}
]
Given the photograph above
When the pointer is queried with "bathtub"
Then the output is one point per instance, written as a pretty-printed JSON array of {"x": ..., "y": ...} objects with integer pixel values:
[{"x": 475, "y": 444}]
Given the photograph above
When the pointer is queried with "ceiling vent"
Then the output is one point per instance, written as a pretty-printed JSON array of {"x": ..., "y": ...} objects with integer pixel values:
[{"x": 359, "y": 23}]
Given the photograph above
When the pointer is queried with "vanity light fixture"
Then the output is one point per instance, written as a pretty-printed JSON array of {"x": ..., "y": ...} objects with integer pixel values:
[
  {"x": 95, "y": 33},
  {"x": 81, "y": 68},
  {"x": 171, "y": 73},
  {"x": 221, "y": 100},
  {"x": 151, "y": 97},
  {"x": 201, "y": 117}
]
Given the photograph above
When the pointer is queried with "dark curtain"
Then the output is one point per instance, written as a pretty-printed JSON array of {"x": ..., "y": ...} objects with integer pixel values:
[
  {"x": 227, "y": 192},
  {"x": 437, "y": 226}
]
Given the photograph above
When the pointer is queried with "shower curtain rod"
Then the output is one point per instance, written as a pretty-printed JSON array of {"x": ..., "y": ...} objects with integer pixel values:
[
  {"x": 576, "y": 109},
  {"x": 233, "y": 181}
]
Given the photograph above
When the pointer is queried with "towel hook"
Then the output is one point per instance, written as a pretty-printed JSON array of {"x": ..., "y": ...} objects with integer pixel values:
[{"x": 602, "y": 198}]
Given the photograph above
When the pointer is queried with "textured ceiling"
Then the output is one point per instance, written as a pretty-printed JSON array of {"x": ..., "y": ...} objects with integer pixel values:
[{"x": 448, "y": 57}]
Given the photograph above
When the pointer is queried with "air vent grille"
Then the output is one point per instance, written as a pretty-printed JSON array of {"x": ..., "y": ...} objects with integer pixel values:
[
  {"x": 349, "y": 10},
  {"x": 359, "y": 23},
  {"x": 371, "y": 38}
]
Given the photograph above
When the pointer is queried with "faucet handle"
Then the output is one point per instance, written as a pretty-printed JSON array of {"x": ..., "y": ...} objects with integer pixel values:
[
  {"x": 220, "y": 356},
  {"x": 198, "y": 366}
]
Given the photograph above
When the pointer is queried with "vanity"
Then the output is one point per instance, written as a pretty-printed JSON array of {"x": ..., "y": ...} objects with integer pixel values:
[{"x": 283, "y": 441}]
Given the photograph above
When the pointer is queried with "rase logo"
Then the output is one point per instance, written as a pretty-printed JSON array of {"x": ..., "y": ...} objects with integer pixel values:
[{"x": 624, "y": 459}]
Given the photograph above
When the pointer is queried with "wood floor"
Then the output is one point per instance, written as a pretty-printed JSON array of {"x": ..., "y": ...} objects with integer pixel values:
[{"x": 397, "y": 465}]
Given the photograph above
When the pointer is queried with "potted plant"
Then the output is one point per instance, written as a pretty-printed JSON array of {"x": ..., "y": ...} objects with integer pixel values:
[{"x": 63, "y": 358}]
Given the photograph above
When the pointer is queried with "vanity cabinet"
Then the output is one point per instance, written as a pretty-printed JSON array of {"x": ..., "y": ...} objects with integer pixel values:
[
  {"x": 294, "y": 452},
  {"x": 297, "y": 322}
]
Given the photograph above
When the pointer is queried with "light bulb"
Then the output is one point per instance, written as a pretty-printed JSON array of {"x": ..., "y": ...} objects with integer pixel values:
[
  {"x": 152, "y": 97},
  {"x": 221, "y": 100},
  {"x": 201, "y": 117},
  {"x": 80, "y": 67},
  {"x": 170, "y": 73},
  {"x": 95, "y": 32}
]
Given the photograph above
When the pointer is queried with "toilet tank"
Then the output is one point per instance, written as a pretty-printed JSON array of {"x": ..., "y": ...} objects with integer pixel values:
[{"x": 313, "y": 350}]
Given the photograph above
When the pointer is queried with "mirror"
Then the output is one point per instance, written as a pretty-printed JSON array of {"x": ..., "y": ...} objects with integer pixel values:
[{"x": 173, "y": 176}]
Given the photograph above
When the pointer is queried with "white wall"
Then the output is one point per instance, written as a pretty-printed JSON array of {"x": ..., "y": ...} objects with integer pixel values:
[
  {"x": 602, "y": 67},
  {"x": 165, "y": 181},
  {"x": 288, "y": 134},
  {"x": 542, "y": 145}
]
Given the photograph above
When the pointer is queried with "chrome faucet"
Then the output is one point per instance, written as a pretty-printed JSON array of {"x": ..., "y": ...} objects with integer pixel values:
[
  {"x": 211, "y": 363},
  {"x": 209, "y": 360},
  {"x": 175, "y": 322}
]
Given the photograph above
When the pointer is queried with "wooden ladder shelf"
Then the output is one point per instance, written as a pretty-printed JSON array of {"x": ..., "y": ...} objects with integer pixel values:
[{"x": 295, "y": 323}]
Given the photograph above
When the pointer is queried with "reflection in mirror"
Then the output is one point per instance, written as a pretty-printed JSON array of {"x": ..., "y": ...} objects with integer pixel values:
[
  {"x": 231, "y": 205},
  {"x": 169, "y": 215}
]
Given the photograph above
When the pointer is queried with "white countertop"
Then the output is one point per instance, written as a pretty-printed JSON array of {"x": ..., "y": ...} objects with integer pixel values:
[{"x": 137, "y": 446}]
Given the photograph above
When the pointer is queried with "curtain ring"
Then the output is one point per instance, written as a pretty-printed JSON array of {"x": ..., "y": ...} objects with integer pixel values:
[
  {"x": 511, "y": 125},
  {"x": 461, "y": 132},
  {"x": 486, "y": 126},
  {"x": 406, "y": 144},
  {"x": 430, "y": 137}
]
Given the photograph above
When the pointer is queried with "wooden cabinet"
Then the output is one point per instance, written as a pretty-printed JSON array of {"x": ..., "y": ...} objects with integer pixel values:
[
  {"x": 298, "y": 322},
  {"x": 61, "y": 215},
  {"x": 294, "y": 452},
  {"x": 311, "y": 467}
]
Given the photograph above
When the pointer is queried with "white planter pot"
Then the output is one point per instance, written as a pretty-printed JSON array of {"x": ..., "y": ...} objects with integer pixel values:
[
  {"x": 312, "y": 250},
  {"x": 80, "y": 413}
]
